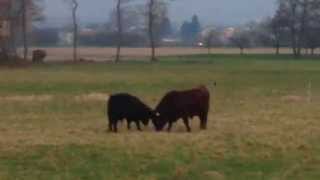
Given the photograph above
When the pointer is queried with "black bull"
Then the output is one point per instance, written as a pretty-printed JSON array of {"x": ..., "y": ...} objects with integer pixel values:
[
  {"x": 125, "y": 106},
  {"x": 183, "y": 104}
]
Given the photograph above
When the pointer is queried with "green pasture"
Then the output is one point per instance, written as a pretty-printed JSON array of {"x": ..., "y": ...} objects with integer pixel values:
[{"x": 264, "y": 121}]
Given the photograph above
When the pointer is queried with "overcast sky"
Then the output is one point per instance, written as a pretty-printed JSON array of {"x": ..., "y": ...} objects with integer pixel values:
[{"x": 221, "y": 12}]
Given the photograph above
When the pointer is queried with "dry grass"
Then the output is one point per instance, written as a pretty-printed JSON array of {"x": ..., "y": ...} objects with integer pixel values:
[
  {"x": 275, "y": 126},
  {"x": 107, "y": 54},
  {"x": 30, "y": 98},
  {"x": 92, "y": 97}
]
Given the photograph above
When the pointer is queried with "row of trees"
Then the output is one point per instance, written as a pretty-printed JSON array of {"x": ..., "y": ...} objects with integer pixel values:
[
  {"x": 300, "y": 19},
  {"x": 156, "y": 14},
  {"x": 190, "y": 30},
  {"x": 151, "y": 17},
  {"x": 157, "y": 22},
  {"x": 19, "y": 15},
  {"x": 296, "y": 24}
]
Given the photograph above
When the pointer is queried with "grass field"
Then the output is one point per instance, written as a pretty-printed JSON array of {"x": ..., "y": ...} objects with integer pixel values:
[{"x": 264, "y": 122}]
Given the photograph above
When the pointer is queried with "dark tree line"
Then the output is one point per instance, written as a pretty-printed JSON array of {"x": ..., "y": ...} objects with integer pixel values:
[
  {"x": 301, "y": 20},
  {"x": 19, "y": 14},
  {"x": 295, "y": 24},
  {"x": 157, "y": 24},
  {"x": 190, "y": 30}
]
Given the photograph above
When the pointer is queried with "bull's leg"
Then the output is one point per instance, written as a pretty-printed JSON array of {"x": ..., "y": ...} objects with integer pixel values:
[
  {"x": 186, "y": 122},
  {"x": 110, "y": 126},
  {"x": 129, "y": 125},
  {"x": 203, "y": 121},
  {"x": 138, "y": 126},
  {"x": 169, "y": 126},
  {"x": 115, "y": 126}
]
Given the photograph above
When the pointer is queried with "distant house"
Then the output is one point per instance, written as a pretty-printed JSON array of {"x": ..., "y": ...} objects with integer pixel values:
[
  {"x": 169, "y": 42},
  {"x": 65, "y": 38},
  {"x": 229, "y": 32}
]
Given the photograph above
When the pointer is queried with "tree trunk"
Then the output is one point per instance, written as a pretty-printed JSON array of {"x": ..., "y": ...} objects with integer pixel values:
[
  {"x": 11, "y": 41},
  {"x": 299, "y": 52},
  {"x": 277, "y": 48},
  {"x": 119, "y": 24},
  {"x": 294, "y": 43},
  {"x": 151, "y": 32},
  {"x": 75, "y": 30},
  {"x": 241, "y": 50},
  {"x": 277, "y": 51},
  {"x": 293, "y": 30},
  {"x": 24, "y": 30},
  {"x": 295, "y": 49},
  {"x": 302, "y": 30},
  {"x": 306, "y": 51},
  {"x": 3, "y": 50}
]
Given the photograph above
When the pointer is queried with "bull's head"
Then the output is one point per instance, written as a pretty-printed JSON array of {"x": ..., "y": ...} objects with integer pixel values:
[
  {"x": 158, "y": 121},
  {"x": 150, "y": 115},
  {"x": 145, "y": 122}
]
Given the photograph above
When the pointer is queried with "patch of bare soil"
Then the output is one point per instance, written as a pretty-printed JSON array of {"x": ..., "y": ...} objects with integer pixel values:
[
  {"x": 92, "y": 97},
  {"x": 108, "y": 54},
  {"x": 294, "y": 98},
  {"x": 214, "y": 175},
  {"x": 41, "y": 98}
]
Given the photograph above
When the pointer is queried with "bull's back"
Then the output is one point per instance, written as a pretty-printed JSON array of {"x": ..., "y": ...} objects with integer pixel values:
[
  {"x": 126, "y": 105},
  {"x": 189, "y": 102},
  {"x": 195, "y": 101},
  {"x": 120, "y": 104}
]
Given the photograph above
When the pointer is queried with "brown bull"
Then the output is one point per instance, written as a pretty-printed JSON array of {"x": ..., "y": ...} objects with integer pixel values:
[{"x": 183, "y": 104}]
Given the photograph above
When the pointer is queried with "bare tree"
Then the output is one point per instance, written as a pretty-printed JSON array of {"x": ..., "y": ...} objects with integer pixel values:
[
  {"x": 277, "y": 26},
  {"x": 74, "y": 8},
  {"x": 119, "y": 29},
  {"x": 151, "y": 20},
  {"x": 75, "y": 29},
  {"x": 312, "y": 38},
  {"x": 241, "y": 39},
  {"x": 312, "y": 29},
  {"x": 5, "y": 33},
  {"x": 157, "y": 13},
  {"x": 212, "y": 38},
  {"x": 209, "y": 41},
  {"x": 299, "y": 14},
  {"x": 121, "y": 21},
  {"x": 21, "y": 14},
  {"x": 24, "y": 4},
  {"x": 125, "y": 18},
  {"x": 269, "y": 33}
]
